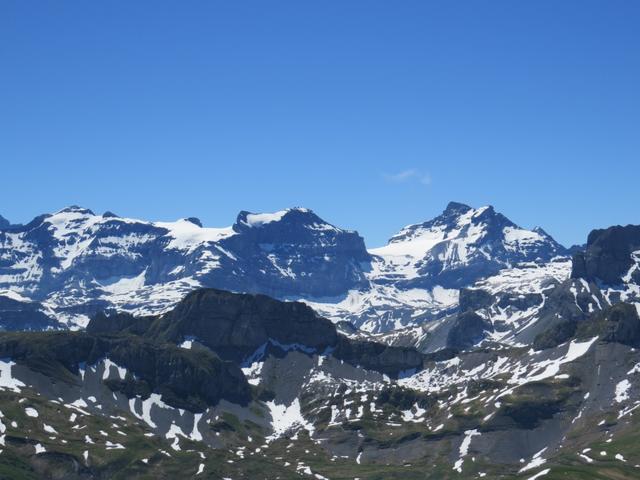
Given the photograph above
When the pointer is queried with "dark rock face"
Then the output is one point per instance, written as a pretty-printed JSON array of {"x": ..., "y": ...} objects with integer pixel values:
[
  {"x": 624, "y": 325},
  {"x": 565, "y": 308},
  {"x": 474, "y": 299},
  {"x": 59, "y": 465},
  {"x": 378, "y": 357},
  {"x": 608, "y": 255},
  {"x": 533, "y": 404},
  {"x": 555, "y": 335},
  {"x": 236, "y": 325},
  {"x": 17, "y": 316},
  {"x": 574, "y": 249},
  {"x": 469, "y": 328},
  {"x": 299, "y": 254},
  {"x": 196, "y": 221},
  {"x": 563, "y": 303},
  {"x": 184, "y": 378},
  {"x": 118, "y": 323},
  {"x": 4, "y": 223}
]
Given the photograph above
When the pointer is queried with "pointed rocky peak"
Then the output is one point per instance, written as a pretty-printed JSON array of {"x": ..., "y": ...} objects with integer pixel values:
[
  {"x": 196, "y": 221},
  {"x": 459, "y": 221},
  {"x": 455, "y": 217},
  {"x": 70, "y": 220},
  {"x": 4, "y": 223},
  {"x": 456, "y": 208},
  {"x": 75, "y": 209},
  {"x": 109, "y": 214},
  {"x": 461, "y": 245}
]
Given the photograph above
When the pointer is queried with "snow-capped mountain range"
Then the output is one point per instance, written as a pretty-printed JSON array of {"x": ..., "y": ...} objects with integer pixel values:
[
  {"x": 484, "y": 350},
  {"x": 77, "y": 263}
]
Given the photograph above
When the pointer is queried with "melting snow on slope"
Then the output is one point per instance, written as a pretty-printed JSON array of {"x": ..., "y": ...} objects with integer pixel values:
[
  {"x": 154, "y": 399},
  {"x": 49, "y": 429},
  {"x": 6, "y": 379},
  {"x": 535, "y": 462},
  {"x": 445, "y": 374},
  {"x": 187, "y": 343},
  {"x": 123, "y": 285},
  {"x": 622, "y": 391},
  {"x": 514, "y": 237},
  {"x": 464, "y": 448},
  {"x": 286, "y": 418},
  {"x": 540, "y": 474},
  {"x": 31, "y": 412},
  {"x": 108, "y": 365},
  {"x": 399, "y": 307}
]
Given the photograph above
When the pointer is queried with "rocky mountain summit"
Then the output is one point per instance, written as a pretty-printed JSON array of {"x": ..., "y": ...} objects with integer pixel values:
[{"x": 461, "y": 246}]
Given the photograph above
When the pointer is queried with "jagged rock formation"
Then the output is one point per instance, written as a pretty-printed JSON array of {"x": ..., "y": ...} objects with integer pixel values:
[{"x": 610, "y": 255}]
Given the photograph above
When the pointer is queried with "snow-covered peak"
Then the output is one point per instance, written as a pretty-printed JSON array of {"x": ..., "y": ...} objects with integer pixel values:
[
  {"x": 448, "y": 224},
  {"x": 461, "y": 245},
  {"x": 457, "y": 221},
  {"x": 70, "y": 218}
]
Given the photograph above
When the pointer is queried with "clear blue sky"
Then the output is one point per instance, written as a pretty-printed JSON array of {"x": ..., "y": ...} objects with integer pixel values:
[{"x": 374, "y": 114}]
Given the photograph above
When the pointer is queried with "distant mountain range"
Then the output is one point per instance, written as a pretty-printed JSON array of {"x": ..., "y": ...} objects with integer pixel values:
[
  {"x": 467, "y": 347},
  {"x": 77, "y": 263}
]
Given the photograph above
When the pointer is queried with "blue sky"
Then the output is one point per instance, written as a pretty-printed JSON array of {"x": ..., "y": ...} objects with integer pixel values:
[{"x": 373, "y": 114}]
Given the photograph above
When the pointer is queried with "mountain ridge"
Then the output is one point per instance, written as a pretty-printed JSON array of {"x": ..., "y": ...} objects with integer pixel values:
[{"x": 78, "y": 263}]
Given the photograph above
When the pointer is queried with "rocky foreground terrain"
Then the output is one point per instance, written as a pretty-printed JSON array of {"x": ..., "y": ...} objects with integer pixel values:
[{"x": 467, "y": 347}]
